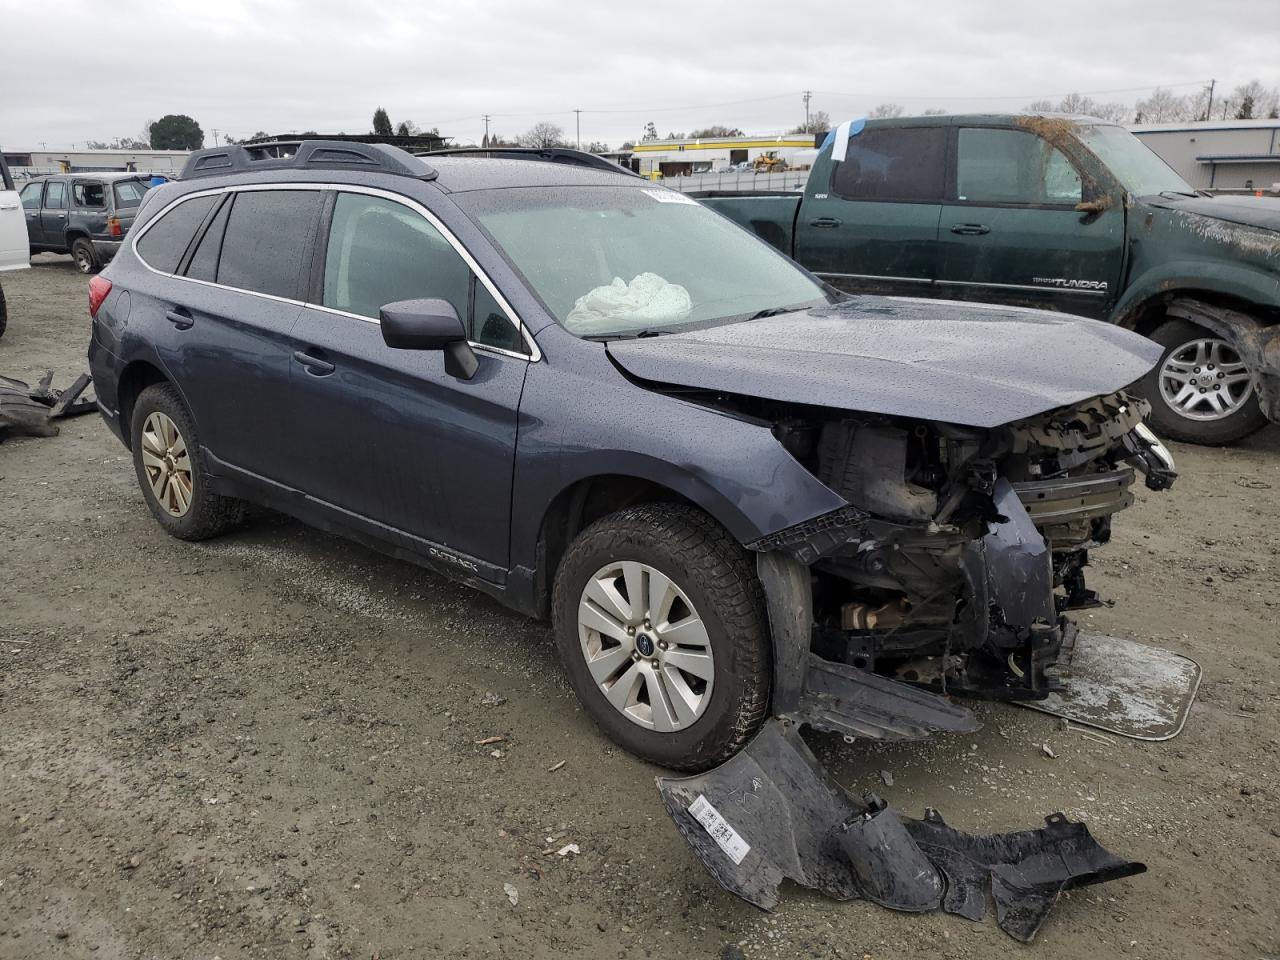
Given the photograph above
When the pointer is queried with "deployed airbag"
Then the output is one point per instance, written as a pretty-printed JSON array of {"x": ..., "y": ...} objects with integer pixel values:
[{"x": 646, "y": 301}]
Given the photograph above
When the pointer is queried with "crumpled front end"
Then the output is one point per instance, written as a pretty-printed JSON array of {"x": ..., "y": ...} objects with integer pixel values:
[{"x": 952, "y": 570}]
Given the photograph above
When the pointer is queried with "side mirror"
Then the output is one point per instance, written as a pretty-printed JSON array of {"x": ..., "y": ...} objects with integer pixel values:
[{"x": 429, "y": 324}]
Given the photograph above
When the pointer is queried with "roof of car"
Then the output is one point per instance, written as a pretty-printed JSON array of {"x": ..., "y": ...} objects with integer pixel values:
[
  {"x": 461, "y": 174},
  {"x": 982, "y": 119},
  {"x": 108, "y": 177}
]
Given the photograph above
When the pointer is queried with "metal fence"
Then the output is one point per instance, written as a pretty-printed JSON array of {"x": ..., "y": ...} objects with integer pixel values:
[{"x": 740, "y": 181}]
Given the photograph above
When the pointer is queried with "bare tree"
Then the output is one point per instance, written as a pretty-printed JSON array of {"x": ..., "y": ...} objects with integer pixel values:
[
  {"x": 1164, "y": 107},
  {"x": 407, "y": 128},
  {"x": 544, "y": 133},
  {"x": 887, "y": 110},
  {"x": 935, "y": 112},
  {"x": 819, "y": 122},
  {"x": 715, "y": 130},
  {"x": 1254, "y": 100},
  {"x": 650, "y": 131}
]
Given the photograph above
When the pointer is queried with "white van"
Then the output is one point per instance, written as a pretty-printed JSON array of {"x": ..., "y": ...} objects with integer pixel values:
[{"x": 15, "y": 251}]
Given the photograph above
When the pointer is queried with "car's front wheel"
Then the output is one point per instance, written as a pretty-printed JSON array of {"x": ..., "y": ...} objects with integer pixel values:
[
  {"x": 661, "y": 626},
  {"x": 85, "y": 256},
  {"x": 170, "y": 468},
  {"x": 1200, "y": 391}
]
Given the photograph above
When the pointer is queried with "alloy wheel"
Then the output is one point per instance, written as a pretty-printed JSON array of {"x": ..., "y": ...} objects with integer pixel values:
[
  {"x": 167, "y": 463},
  {"x": 645, "y": 646},
  {"x": 1205, "y": 379}
]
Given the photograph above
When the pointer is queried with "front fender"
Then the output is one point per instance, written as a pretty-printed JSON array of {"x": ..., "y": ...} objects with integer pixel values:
[{"x": 1167, "y": 279}]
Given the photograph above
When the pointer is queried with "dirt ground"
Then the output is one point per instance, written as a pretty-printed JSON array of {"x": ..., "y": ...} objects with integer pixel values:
[{"x": 266, "y": 745}]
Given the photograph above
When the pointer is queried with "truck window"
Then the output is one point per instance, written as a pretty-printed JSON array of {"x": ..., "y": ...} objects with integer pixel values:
[
  {"x": 88, "y": 195},
  {"x": 31, "y": 196},
  {"x": 1013, "y": 166},
  {"x": 893, "y": 163},
  {"x": 129, "y": 193},
  {"x": 55, "y": 195}
]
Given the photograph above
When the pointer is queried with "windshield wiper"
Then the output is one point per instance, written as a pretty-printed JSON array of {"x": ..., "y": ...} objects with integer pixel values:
[
  {"x": 1178, "y": 193},
  {"x": 771, "y": 312},
  {"x": 629, "y": 335}
]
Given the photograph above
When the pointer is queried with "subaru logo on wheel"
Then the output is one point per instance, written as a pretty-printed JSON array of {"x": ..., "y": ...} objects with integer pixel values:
[{"x": 644, "y": 644}]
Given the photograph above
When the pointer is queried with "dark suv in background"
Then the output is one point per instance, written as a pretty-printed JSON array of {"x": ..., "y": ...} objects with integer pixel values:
[
  {"x": 732, "y": 488},
  {"x": 83, "y": 214}
]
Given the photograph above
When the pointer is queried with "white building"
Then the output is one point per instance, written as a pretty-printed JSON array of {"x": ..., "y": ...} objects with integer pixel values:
[
  {"x": 1218, "y": 154},
  {"x": 689, "y": 157},
  {"x": 38, "y": 162}
]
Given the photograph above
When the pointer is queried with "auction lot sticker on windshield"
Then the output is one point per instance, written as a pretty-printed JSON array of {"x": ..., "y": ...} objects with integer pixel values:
[
  {"x": 734, "y": 847},
  {"x": 670, "y": 196}
]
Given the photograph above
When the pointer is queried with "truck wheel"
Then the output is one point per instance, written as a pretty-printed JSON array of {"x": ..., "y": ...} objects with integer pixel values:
[
  {"x": 171, "y": 471},
  {"x": 4, "y": 313},
  {"x": 85, "y": 256},
  {"x": 661, "y": 626},
  {"x": 1200, "y": 391}
]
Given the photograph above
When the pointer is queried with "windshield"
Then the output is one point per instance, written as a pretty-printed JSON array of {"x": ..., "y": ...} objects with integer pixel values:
[
  {"x": 1139, "y": 170},
  {"x": 627, "y": 261}
]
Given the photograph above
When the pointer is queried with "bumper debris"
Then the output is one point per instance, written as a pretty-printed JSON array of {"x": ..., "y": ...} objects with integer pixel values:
[
  {"x": 27, "y": 411},
  {"x": 772, "y": 813}
]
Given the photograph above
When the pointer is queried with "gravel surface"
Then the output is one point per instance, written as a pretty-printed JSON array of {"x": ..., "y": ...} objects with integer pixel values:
[{"x": 267, "y": 745}]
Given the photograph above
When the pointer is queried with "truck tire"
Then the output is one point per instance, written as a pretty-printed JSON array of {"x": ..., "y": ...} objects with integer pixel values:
[
  {"x": 1197, "y": 391},
  {"x": 4, "y": 313},
  {"x": 680, "y": 677},
  {"x": 170, "y": 468},
  {"x": 85, "y": 256}
]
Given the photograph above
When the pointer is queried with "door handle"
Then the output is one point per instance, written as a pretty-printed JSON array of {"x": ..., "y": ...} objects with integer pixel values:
[
  {"x": 825, "y": 222},
  {"x": 315, "y": 365},
  {"x": 62, "y": 216},
  {"x": 971, "y": 229},
  {"x": 179, "y": 318}
]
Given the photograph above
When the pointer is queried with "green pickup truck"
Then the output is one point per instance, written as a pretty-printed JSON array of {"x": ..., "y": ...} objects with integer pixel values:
[{"x": 1062, "y": 213}]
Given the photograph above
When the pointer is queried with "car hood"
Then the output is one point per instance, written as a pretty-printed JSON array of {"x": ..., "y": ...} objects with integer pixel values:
[
  {"x": 1261, "y": 212},
  {"x": 963, "y": 363}
]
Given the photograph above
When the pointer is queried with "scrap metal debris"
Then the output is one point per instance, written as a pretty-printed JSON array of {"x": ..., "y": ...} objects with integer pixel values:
[
  {"x": 27, "y": 411},
  {"x": 773, "y": 813}
]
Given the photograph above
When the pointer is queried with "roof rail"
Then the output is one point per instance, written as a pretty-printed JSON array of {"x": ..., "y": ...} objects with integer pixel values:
[
  {"x": 568, "y": 155},
  {"x": 305, "y": 155}
]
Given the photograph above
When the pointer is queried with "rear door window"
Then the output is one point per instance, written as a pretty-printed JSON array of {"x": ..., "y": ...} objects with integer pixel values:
[
  {"x": 88, "y": 195},
  {"x": 55, "y": 195},
  {"x": 1014, "y": 167},
  {"x": 31, "y": 196},
  {"x": 268, "y": 235},
  {"x": 166, "y": 240},
  {"x": 893, "y": 163}
]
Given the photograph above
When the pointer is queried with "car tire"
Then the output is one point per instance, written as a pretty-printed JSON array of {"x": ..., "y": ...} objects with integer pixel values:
[
  {"x": 171, "y": 471},
  {"x": 4, "y": 312},
  {"x": 715, "y": 588},
  {"x": 85, "y": 256},
  {"x": 1179, "y": 338}
]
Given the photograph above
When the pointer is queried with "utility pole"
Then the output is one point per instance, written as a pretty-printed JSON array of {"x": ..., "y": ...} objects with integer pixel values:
[
  {"x": 577, "y": 122},
  {"x": 807, "y": 95},
  {"x": 486, "y": 119},
  {"x": 215, "y": 136},
  {"x": 1208, "y": 111}
]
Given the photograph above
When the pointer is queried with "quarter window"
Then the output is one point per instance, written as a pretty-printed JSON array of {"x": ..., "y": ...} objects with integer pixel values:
[
  {"x": 266, "y": 240},
  {"x": 55, "y": 195},
  {"x": 204, "y": 262},
  {"x": 380, "y": 252},
  {"x": 893, "y": 163},
  {"x": 129, "y": 193},
  {"x": 31, "y": 196},
  {"x": 1013, "y": 166},
  {"x": 166, "y": 240}
]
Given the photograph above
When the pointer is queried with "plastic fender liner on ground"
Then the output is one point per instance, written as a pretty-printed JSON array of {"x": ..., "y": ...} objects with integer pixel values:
[{"x": 773, "y": 813}]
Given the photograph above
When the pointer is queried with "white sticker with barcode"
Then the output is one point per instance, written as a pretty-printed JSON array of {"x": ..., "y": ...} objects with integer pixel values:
[
  {"x": 734, "y": 847},
  {"x": 670, "y": 196}
]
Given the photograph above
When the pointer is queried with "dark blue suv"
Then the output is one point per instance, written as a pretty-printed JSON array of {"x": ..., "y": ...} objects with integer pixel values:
[{"x": 734, "y": 490}]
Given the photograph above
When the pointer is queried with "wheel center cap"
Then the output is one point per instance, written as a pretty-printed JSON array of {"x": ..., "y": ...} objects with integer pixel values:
[{"x": 644, "y": 644}]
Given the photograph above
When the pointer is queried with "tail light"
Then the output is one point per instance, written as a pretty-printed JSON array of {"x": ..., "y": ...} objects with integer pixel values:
[
  {"x": 99, "y": 288},
  {"x": 113, "y": 227}
]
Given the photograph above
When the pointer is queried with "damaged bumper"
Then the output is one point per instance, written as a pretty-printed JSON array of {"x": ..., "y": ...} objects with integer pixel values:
[
  {"x": 951, "y": 570},
  {"x": 772, "y": 813}
]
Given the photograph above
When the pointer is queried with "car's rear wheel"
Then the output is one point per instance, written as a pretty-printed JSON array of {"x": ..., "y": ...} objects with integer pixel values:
[
  {"x": 85, "y": 256},
  {"x": 1200, "y": 391},
  {"x": 661, "y": 626},
  {"x": 171, "y": 471}
]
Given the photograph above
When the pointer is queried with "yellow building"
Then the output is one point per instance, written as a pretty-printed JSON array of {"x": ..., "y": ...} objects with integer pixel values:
[{"x": 683, "y": 158}]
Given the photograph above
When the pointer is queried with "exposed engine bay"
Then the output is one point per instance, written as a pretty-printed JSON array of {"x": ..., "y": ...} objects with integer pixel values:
[
  {"x": 963, "y": 549},
  {"x": 951, "y": 571}
]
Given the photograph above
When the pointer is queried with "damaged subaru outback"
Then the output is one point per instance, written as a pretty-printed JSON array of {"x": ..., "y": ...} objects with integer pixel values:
[{"x": 747, "y": 502}]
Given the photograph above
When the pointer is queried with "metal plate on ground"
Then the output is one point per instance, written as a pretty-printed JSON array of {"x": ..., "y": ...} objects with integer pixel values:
[{"x": 1128, "y": 688}]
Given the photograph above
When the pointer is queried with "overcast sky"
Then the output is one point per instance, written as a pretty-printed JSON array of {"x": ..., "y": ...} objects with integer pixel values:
[{"x": 94, "y": 70}]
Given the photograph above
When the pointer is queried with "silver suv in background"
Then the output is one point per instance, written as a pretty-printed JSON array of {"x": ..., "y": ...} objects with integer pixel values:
[{"x": 83, "y": 214}]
